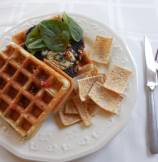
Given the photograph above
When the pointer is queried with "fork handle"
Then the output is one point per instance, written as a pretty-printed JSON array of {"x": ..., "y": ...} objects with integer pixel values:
[{"x": 153, "y": 127}]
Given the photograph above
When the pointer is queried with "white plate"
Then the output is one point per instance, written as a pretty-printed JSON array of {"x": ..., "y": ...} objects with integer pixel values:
[{"x": 53, "y": 144}]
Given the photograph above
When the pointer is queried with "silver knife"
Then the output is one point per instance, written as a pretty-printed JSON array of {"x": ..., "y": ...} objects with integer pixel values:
[{"x": 151, "y": 83}]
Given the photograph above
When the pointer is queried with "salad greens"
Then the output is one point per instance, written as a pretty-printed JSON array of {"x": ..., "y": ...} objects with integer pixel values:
[
  {"x": 54, "y": 35},
  {"x": 74, "y": 29}
]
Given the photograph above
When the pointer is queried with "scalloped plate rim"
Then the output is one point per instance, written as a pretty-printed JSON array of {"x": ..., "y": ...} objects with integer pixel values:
[{"x": 117, "y": 128}]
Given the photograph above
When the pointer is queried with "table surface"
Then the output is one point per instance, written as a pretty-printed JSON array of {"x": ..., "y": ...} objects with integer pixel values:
[{"x": 131, "y": 19}]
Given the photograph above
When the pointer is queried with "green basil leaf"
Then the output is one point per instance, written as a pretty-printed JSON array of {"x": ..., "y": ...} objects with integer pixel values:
[
  {"x": 55, "y": 35},
  {"x": 54, "y": 26},
  {"x": 36, "y": 44},
  {"x": 33, "y": 40},
  {"x": 57, "y": 43},
  {"x": 33, "y": 35},
  {"x": 75, "y": 30}
]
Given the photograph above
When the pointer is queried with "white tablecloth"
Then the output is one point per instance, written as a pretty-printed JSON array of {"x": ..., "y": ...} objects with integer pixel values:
[{"x": 131, "y": 19}]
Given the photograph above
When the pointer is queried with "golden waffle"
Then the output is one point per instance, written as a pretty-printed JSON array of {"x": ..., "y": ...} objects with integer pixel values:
[{"x": 29, "y": 89}]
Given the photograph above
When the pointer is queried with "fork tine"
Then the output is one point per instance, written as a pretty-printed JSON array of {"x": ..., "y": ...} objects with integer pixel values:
[{"x": 156, "y": 56}]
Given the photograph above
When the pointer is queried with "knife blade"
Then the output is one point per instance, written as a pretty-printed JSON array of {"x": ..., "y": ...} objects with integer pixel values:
[
  {"x": 151, "y": 83},
  {"x": 151, "y": 74}
]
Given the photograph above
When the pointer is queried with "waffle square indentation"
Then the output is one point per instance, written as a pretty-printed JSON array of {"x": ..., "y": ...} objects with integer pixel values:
[
  {"x": 2, "y": 82},
  {"x": 35, "y": 111},
  {"x": 31, "y": 66},
  {"x": 21, "y": 78},
  {"x": 13, "y": 114},
  {"x": 11, "y": 92},
  {"x": 19, "y": 58},
  {"x": 33, "y": 88},
  {"x": 46, "y": 97},
  {"x": 25, "y": 124},
  {"x": 42, "y": 75},
  {"x": 23, "y": 101},
  {"x": 9, "y": 70},
  {"x": 3, "y": 105}
]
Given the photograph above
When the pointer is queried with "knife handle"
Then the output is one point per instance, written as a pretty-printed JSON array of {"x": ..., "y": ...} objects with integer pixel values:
[{"x": 153, "y": 127}]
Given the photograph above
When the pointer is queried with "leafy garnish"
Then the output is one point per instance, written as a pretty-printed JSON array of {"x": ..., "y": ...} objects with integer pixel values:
[
  {"x": 53, "y": 34},
  {"x": 36, "y": 44},
  {"x": 74, "y": 29},
  {"x": 33, "y": 40}
]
